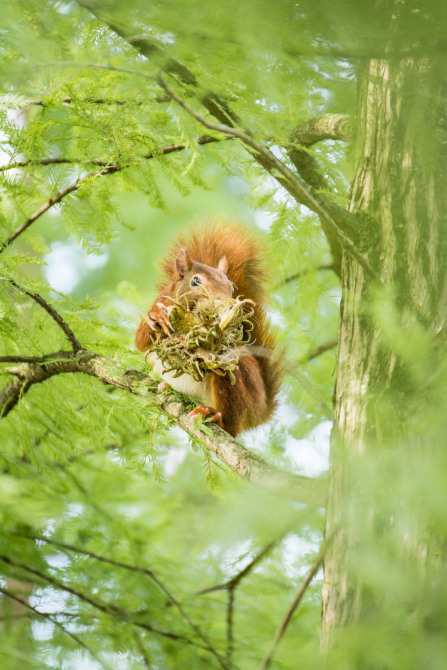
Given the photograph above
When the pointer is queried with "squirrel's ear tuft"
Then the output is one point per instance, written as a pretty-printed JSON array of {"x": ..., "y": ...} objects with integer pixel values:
[
  {"x": 183, "y": 262},
  {"x": 223, "y": 265}
]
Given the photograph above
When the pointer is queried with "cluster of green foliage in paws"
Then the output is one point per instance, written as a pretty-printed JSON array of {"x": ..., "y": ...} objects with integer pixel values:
[{"x": 206, "y": 336}]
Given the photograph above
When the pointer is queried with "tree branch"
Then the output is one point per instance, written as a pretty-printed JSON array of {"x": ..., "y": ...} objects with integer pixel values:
[
  {"x": 54, "y": 200},
  {"x": 132, "y": 568},
  {"x": 134, "y": 618},
  {"x": 245, "y": 463},
  {"x": 63, "y": 325},
  {"x": 33, "y": 359},
  {"x": 290, "y": 181},
  {"x": 171, "y": 148},
  {"x": 11, "y": 394},
  {"x": 140, "y": 645},
  {"x": 50, "y": 161},
  {"x": 230, "y": 618},
  {"x": 318, "y": 351},
  {"x": 49, "y": 617},
  {"x": 70, "y": 615},
  {"x": 327, "y": 126},
  {"x": 94, "y": 101},
  {"x": 323, "y": 127},
  {"x": 296, "y": 601},
  {"x": 328, "y": 211},
  {"x": 303, "y": 273}
]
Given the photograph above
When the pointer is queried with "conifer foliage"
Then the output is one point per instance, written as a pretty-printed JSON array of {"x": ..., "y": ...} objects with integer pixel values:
[{"x": 130, "y": 536}]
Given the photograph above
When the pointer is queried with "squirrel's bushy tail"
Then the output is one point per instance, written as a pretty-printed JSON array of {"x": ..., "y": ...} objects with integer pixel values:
[{"x": 271, "y": 363}]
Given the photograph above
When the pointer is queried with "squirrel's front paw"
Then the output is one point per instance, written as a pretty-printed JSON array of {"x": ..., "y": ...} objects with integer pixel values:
[{"x": 159, "y": 316}]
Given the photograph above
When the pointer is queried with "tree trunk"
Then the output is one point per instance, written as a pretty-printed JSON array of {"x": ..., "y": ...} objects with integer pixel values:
[{"x": 389, "y": 336}]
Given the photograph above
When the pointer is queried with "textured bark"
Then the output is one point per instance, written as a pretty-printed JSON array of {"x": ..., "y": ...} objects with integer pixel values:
[
  {"x": 243, "y": 462},
  {"x": 400, "y": 185},
  {"x": 318, "y": 129},
  {"x": 323, "y": 127}
]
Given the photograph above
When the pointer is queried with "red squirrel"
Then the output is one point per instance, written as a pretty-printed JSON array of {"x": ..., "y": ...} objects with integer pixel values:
[{"x": 225, "y": 260}]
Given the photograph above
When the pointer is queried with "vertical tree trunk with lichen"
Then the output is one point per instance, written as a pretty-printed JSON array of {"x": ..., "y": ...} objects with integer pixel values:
[{"x": 399, "y": 187}]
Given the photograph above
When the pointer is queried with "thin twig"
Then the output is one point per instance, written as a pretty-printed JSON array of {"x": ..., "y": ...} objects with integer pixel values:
[
  {"x": 132, "y": 568},
  {"x": 35, "y": 359},
  {"x": 111, "y": 610},
  {"x": 231, "y": 585},
  {"x": 318, "y": 351},
  {"x": 302, "y": 273},
  {"x": 234, "y": 581},
  {"x": 293, "y": 184},
  {"x": 296, "y": 601},
  {"x": 49, "y": 161},
  {"x": 169, "y": 149},
  {"x": 63, "y": 325},
  {"x": 94, "y": 101},
  {"x": 96, "y": 66},
  {"x": 140, "y": 645},
  {"x": 68, "y": 615},
  {"x": 49, "y": 617},
  {"x": 54, "y": 200},
  {"x": 230, "y": 613}
]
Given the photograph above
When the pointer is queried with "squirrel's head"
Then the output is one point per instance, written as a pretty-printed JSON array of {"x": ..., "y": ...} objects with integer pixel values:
[{"x": 191, "y": 276}]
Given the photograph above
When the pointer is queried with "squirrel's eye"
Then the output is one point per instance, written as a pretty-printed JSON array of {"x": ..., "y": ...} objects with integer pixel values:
[{"x": 195, "y": 281}]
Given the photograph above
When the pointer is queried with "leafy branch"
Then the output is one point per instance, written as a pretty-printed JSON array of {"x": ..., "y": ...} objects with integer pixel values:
[
  {"x": 126, "y": 566},
  {"x": 290, "y": 181},
  {"x": 49, "y": 617},
  {"x": 338, "y": 224},
  {"x": 54, "y": 200},
  {"x": 243, "y": 462},
  {"x": 63, "y": 325},
  {"x": 112, "y": 610},
  {"x": 291, "y": 610},
  {"x": 107, "y": 168},
  {"x": 231, "y": 585},
  {"x": 163, "y": 151},
  {"x": 246, "y": 464}
]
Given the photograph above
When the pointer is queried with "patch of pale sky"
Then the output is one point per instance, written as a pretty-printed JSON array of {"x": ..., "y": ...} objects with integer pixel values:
[{"x": 68, "y": 263}]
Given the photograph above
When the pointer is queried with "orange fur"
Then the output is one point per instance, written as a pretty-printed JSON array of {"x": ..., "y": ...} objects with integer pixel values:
[{"x": 252, "y": 399}]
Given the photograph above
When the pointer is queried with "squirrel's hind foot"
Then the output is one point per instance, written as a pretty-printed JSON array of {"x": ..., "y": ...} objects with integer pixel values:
[{"x": 204, "y": 411}]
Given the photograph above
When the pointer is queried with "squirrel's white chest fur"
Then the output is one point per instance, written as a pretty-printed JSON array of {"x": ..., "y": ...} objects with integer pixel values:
[{"x": 185, "y": 383}]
